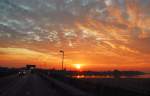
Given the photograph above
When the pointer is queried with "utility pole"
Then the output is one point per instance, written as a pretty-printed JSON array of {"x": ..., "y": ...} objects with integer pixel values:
[{"x": 62, "y": 59}]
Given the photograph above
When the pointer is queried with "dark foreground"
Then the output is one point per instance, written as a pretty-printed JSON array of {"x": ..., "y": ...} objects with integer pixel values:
[{"x": 46, "y": 85}]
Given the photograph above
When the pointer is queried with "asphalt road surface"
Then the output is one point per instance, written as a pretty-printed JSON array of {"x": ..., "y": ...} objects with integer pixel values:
[
  {"x": 31, "y": 85},
  {"x": 42, "y": 85}
]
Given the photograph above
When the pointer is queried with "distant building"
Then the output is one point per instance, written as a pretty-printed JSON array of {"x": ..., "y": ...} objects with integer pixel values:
[{"x": 30, "y": 67}]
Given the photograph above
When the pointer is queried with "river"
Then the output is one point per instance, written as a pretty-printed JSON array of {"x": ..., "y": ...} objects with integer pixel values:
[{"x": 108, "y": 76}]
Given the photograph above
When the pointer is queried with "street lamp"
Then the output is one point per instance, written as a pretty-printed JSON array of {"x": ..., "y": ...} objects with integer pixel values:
[{"x": 62, "y": 59}]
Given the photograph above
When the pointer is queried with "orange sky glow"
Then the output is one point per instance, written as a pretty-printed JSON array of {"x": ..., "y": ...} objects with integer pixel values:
[{"x": 100, "y": 35}]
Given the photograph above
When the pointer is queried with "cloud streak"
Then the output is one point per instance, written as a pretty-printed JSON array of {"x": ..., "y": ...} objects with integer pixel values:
[{"x": 89, "y": 29}]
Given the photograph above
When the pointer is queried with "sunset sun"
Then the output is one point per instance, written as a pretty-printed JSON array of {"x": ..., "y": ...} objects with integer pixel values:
[{"x": 77, "y": 66}]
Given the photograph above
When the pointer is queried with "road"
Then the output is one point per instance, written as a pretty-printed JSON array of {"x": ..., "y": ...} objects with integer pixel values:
[
  {"x": 43, "y": 85},
  {"x": 33, "y": 85}
]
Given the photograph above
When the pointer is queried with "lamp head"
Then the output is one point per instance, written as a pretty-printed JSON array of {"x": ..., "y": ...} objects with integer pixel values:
[{"x": 61, "y": 51}]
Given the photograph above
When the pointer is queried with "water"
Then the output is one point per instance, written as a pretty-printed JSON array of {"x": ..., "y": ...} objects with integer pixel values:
[
  {"x": 138, "y": 76},
  {"x": 91, "y": 76},
  {"x": 108, "y": 76}
]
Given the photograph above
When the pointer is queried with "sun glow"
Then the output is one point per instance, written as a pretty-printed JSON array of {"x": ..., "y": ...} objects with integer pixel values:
[{"x": 77, "y": 66}]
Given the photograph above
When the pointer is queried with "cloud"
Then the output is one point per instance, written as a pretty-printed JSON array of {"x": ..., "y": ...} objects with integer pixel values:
[
  {"x": 116, "y": 29},
  {"x": 25, "y": 56}
]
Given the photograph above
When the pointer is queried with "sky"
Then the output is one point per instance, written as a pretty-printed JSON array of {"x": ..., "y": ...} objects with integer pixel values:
[{"x": 98, "y": 34}]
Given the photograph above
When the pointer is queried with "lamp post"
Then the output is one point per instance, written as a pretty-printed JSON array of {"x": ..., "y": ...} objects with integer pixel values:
[{"x": 62, "y": 59}]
